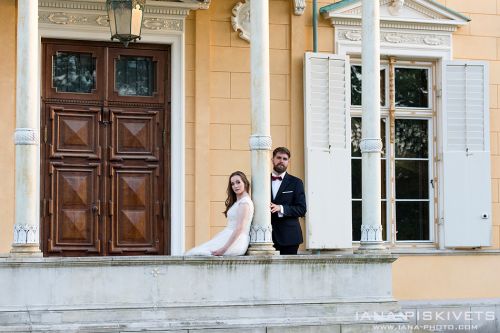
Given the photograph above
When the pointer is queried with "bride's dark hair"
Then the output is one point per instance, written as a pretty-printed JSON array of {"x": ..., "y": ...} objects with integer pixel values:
[{"x": 231, "y": 196}]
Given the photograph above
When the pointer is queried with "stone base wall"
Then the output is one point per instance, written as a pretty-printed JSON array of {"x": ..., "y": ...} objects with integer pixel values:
[
  {"x": 468, "y": 315},
  {"x": 188, "y": 294}
]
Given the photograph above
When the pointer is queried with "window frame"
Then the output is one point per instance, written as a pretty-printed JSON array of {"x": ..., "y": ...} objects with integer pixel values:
[{"x": 429, "y": 114}]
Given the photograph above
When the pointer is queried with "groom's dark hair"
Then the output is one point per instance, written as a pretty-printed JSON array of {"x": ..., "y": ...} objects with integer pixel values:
[{"x": 282, "y": 150}]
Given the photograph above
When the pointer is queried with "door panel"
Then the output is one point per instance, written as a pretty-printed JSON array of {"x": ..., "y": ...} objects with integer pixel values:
[
  {"x": 75, "y": 132},
  {"x": 135, "y": 212},
  {"x": 135, "y": 134},
  {"x": 74, "y": 209}
]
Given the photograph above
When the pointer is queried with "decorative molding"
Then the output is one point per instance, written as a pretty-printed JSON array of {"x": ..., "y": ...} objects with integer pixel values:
[
  {"x": 260, "y": 142},
  {"x": 261, "y": 233},
  {"x": 155, "y": 7},
  {"x": 241, "y": 19},
  {"x": 419, "y": 15},
  {"x": 370, "y": 145},
  {"x": 77, "y": 19},
  {"x": 299, "y": 7},
  {"x": 399, "y": 38},
  {"x": 353, "y": 22},
  {"x": 63, "y": 18},
  {"x": 371, "y": 233},
  {"x": 155, "y": 23},
  {"x": 353, "y": 35},
  {"x": 26, "y": 234},
  {"x": 26, "y": 136}
]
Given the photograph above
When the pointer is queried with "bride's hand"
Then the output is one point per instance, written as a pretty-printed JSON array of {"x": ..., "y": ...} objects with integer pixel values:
[{"x": 218, "y": 252}]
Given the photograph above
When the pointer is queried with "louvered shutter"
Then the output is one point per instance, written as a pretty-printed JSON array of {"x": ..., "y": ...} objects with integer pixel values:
[
  {"x": 466, "y": 155},
  {"x": 327, "y": 151}
]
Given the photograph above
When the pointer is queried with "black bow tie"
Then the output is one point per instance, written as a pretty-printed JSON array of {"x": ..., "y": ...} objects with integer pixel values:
[{"x": 276, "y": 178}]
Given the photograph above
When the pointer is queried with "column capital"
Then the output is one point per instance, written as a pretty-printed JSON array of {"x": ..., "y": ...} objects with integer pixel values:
[
  {"x": 260, "y": 142},
  {"x": 371, "y": 145},
  {"x": 26, "y": 136}
]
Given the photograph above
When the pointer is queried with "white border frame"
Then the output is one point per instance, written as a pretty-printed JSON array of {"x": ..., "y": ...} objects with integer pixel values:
[{"x": 177, "y": 122}]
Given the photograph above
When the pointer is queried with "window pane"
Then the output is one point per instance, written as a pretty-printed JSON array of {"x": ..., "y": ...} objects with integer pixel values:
[
  {"x": 356, "y": 74},
  {"x": 356, "y": 136},
  {"x": 356, "y": 178},
  {"x": 412, "y": 220},
  {"x": 411, "y": 138},
  {"x": 412, "y": 87},
  {"x": 412, "y": 179},
  {"x": 356, "y": 220},
  {"x": 135, "y": 76},
  {"x": 73, "y": 72}
]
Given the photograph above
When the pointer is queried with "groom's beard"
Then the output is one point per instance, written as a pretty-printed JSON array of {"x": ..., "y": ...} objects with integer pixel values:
[{"x": 279, "y": 168}]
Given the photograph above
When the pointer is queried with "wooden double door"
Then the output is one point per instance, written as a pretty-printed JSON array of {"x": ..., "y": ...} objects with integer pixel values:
[{"x": 105, "y": 149}]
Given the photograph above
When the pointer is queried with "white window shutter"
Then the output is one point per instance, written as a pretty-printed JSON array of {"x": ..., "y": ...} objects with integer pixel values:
[
  {"x": 327, "y": 151},
  {"x": 466, "y": 155}
]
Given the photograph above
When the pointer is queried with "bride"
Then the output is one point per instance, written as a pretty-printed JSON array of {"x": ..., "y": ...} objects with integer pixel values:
[{"x": 233, "y": 240}]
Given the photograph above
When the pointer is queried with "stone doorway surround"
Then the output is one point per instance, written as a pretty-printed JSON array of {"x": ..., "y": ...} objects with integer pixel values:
[{"x": 164, "y": 23}]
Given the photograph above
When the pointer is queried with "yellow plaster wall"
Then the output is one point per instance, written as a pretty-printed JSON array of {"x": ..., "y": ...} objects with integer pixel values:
[
  {"x": 433, "y": 277},
  {"x": 7, "y": 124},
  {"x": 229, "y": 125}
]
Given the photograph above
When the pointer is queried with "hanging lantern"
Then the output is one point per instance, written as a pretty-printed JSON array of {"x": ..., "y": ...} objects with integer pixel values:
[{"x": 125, "y": 19}]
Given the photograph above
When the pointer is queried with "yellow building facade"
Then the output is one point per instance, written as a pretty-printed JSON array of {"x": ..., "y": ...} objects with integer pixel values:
[{"x": 218, "y": 125}]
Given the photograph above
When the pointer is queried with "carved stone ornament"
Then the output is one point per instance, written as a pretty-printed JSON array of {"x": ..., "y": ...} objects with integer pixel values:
[
  {"x": 261, "y": 233},
  {"x": 299, "y": 7},
  {"x": 241, "y": 19},
  {"x": 26, "y": 136},
  {"x": 63, "y": 18},
  {"x": 396, "y": 6},
  {"x": 371, "y": 233},
  {"x": 25, "y": 234},
  {"x": 260, "y": 142}
]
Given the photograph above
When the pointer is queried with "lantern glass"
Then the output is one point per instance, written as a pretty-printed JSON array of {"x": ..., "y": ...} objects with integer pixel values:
[{"x": 125, "y": 19}]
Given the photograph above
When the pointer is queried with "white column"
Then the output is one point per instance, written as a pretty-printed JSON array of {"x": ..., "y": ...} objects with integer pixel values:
[
  {"x": 26, "y": 136},
  {"x": 260, "y": 140},
  {"x": 371, "y": 144}
]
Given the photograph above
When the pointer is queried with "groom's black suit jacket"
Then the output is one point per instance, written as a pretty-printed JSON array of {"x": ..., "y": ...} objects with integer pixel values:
[{"x": 291, "y": 195}]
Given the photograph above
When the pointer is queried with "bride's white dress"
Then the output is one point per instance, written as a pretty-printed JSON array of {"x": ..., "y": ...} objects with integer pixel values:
[{"x": 240, "y": 245}]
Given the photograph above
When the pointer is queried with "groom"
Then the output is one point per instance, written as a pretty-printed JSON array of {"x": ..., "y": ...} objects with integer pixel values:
[{"x": 288, "y": 203}]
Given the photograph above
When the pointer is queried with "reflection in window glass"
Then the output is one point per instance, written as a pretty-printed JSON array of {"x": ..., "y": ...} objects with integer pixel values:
[
  {"x": 412, "y": 87},
  {"x": 412, "y": 220},
  {"x": 356, "y": 74},
  {"x": 356, "y": 178},
  {"x": 411, "y": 138},
  {"x": 73, "y": 72},
  {"x": 135, "y": 76},
  {"x": 412, "y": 179}
]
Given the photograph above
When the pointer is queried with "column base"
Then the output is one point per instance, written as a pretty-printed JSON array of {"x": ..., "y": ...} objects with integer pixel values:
[
  {"x": 372, "y": 248},
  {"x": 26, "y": 250},
  {"x": 259, "y": 249}
]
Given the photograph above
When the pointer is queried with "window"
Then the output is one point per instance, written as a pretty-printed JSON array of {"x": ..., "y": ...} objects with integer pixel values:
[
  {"x": 418, "y": 188},
  {"x": 406, "y": 129}
]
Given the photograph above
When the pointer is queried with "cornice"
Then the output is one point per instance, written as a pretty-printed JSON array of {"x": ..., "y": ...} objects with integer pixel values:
[
  {"x": 154, "y": 7},
  {"x": 354, "y": 22}
]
